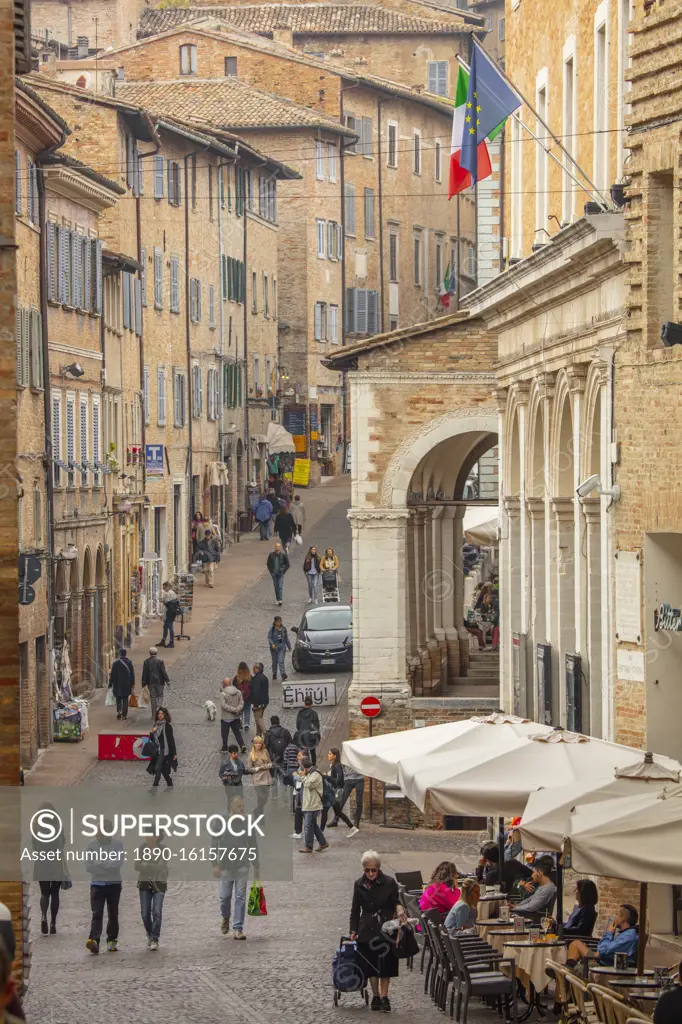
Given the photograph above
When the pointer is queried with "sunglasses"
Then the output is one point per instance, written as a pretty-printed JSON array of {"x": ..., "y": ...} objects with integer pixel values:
[{"x": 371, "y": 871}]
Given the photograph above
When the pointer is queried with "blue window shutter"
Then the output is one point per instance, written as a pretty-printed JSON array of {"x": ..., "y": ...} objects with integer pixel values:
[
  {"x": 158, "y": 177},
  {"x": 171, "y": 184},
  {"x": 372, "y": 312},
  {"x": 143, "y": 276}
]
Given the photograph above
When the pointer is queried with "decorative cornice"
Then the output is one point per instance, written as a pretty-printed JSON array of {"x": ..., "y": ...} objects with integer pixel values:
[
  {"x": 563, "y": 509},
  {"x": 521, "y": 391},
  {"x": 421, "y": 377},
  {"x": 512, "y": 506},
  {"x": 577, "y": 376},
  {"x": 377, "y": 516},
  {"x": 501, "y": 396},
  {"x": 535, "y": 507},
  {"x": 546, "y": 384},
  {"x": 591, "y": 510},
  {"x": 66, "y": 182}
]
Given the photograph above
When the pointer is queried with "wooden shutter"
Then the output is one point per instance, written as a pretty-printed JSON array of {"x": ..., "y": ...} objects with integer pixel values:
[
  {"x": 36, "y": 349},
  {"x": 158, "y": 177},
  {"x": 52, "y": 261},
  {"x": 125, "y": 282},
  {"x": 372, "y": 312},
  {"x": 86, "y": 274},
  {"x": 211, "y": 306},
  {"x": 137, "y": 294},
  {"x": 84, "y": 451},
  {"x": 96, "y": 439},
  {"x": 19, "y": 341},
  {"x": 361, "y": 310},
  {"x": 56, "y": 436},
  {"x": 25, "y": 346},
  {"x": 17, "y": 181},
  {"x": 200, "y": 307},
  {"x": 442, "y": 78},
  {"x": 158, "y": 280},
  {"x": 143, "y": 276},
  {"x": 97, "y": 277},
  {"x": 318, "y": 321}
]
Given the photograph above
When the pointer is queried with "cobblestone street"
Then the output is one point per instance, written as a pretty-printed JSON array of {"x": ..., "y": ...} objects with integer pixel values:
[{"x": 283, "y": 970}]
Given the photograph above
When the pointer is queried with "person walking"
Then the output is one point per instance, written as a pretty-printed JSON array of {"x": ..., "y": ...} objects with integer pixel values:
[
  {"x": 330, "y": 563},
  {"x": 207, "y": 553},
  {"x": 293, "y": 757},
  {"x": 155, "y": 678},
  {"x": 278, "y": 564},
  {"x": 233, "y": 877},
  {"x": 311, "y": 568},
  {"x": 197, "y": 530},
  {"x": 242, "y": 682},
  {"x": 263, "y": 514},
  {"x": 122, "y": 682},
  {"x": 311, "y": 804},
  {"x": 277, "y": 740},
  {"x": 278, "y": 639},
  {"x": 167, "y": 756},
  {"x": 152, "y": 885},
  {"x": 285, "y": 527},
  {"x": 258, "y": 767},
  {"x": 50, "y": 889},
  {"x": 352, "y": 780},
  {"x": 232, "y": 769},
  {"x": 308, "y": 728},
  {"x": 336, "y": 775},
  {"x": 171, "y": 606},
  {"x": 231, "y": 705},
  {"x": 105, "y": 859},
  {"x": 375, "y": 900},
  {"x": 260, "y": 695},
  {"x": 297, "y": 510}
]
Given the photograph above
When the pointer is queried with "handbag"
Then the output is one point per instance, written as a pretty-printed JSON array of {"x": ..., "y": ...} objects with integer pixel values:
[
  {"x": 110, "y": 699},
  {"x": 257, "y": 904},
  {"x": 132, "y": 701},
  {"x": 144, "y": 697},
  {"x": 298, "y": 538},
  {"x": 407, "y": 945},
  {"x": 150, "y": 748},
  {"x": 66, "y": 884}
]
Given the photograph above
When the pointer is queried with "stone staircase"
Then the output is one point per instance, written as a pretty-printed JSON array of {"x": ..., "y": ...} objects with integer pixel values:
[{"x": 483, "y": 678}]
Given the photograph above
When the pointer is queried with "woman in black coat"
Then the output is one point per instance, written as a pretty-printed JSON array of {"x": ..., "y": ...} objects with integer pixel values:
[
  {"x": 375, "y": 901},
  {"x": 336, "y": 775},
  {"x": 162, "y": 732}
]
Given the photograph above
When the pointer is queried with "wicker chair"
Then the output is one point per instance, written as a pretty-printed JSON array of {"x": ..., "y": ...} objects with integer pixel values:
[
  {"x": 581, "y": 997},
  {"x": 620, "y": 1012},
  {"x": 604, "y": 1000}
]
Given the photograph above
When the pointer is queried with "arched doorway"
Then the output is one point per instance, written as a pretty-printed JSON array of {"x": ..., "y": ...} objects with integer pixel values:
[{"x": 86, "y": 676}]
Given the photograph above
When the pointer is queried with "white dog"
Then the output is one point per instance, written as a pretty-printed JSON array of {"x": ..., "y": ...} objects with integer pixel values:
[{"x": 210, "y": 710}]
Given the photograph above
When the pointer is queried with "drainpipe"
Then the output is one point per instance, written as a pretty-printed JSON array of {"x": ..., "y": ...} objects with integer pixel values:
[
  {"x": 247, "y": 431},
  {"x": 381, "y": 219},
  {"x": 503, "y": 261},
  {"x": 459, "y": 256},
  {"x": 342, "y": 146}
]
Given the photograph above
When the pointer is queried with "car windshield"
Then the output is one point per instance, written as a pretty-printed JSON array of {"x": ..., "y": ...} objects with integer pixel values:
[{"x": 328, "y": 618}]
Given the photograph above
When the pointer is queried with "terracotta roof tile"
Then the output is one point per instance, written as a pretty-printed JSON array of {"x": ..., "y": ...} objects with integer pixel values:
[
  {"x": 322, "y": 19},
  {"x": 225, "y": 102}
]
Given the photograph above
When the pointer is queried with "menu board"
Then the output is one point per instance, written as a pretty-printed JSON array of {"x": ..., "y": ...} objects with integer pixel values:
[
  {"x": 295, "y": 420},
  {"x": 185, "y": 592},
  {"x": 314, "y": 421}
]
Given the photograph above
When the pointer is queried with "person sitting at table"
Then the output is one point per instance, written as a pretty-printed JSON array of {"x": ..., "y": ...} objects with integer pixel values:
[
  {"x": 621, "y": 936},
  {"x": 668, "y": 1009},
  {"x": 442, "y": 893},
  {"x": 487, "y": 870},
  {"x": 583, "y": 917},
  {"x": 541, "y": 899},
  {"x": 465, "y": 911}
]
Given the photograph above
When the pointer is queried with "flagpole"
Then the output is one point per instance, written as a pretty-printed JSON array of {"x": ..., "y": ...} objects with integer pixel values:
[{"x": 593, "y": 190}]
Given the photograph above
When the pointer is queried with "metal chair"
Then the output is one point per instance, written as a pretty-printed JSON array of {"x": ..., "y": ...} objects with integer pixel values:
[
  {"x": 425, "y": 916},
  {"x": 410, "y": 879},
  {"x": 493, "y": 984},
  {"x": 479, "y": 961}
]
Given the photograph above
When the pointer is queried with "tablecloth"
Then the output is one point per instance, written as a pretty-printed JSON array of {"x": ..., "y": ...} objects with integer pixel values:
[{"x": 530, "y": 963}]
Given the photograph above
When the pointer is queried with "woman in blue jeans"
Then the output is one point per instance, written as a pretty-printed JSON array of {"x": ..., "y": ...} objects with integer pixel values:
[
  {"x": 233, "y": 880},
  {"x": 278, "y": 640},
  {"x": 152, "y": 885}
]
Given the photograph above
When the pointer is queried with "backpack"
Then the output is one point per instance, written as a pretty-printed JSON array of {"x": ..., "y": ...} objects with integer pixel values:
[
  {"x": 328, "y": 793},
  {"x": 172, "y": 609},
  {"x": 278, "y": 744}
]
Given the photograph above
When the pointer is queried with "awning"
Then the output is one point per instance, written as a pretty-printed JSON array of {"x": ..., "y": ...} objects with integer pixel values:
[
  {"x": 481, "y": 525},
  {"x": 215, "y": 475},
  {"x": 279, "y": 440}
]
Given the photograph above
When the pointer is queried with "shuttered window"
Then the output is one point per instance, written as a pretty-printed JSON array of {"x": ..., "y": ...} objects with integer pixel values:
[
  {"x": 319, "y": 160},
  {"x": 158, "y": 177},
  {"x": 56, "y": 439},
  {"x": 362, "y": 311},
  {"x": 334, "y": 324},
  {"x": 18, "y": 182},
  {"x": 179, "y": 399},
  {"x": 331, "y": 161},
  {"x": 320, "y": 317},
  {"x": 143, "y": 276},
  {"x": 35, "y": 349},
  {"x": 211, "y": 306},
  {"x": 96, "y": 442},
  {"x": 366, "y": 132},
  {"x": 321, "y": 231},
  {"x": 96, "y": 266},
  {"x": 158, "y": 279},
  {"x": 64, "y": 244},
  {"x": 161, "y": 396},
  {"x": 417, "y": 152},
  {"x": 145, "y": 396},
  {"x": 350, "y": 193},
  {"x": 70, "y": 437},
  {"x": 369, "y": 213},
  {"x": 86, "y": 272},
  {"x": 83, "y": 427},
  {"x": 174, "y": 284},
  {"x": 32, "y": 182},
  {"x": 392, "y": 148},
  {"x": 438, "y": 77},
  {"x": 52, "y": 261}
]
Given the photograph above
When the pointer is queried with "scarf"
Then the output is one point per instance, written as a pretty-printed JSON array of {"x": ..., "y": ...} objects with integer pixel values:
[{"x": 161, "y": 734}]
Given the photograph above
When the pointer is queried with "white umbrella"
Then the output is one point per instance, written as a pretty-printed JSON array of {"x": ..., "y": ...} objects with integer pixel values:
[
  {"x": 481, "y": 525},
  {"x": 548, "y": 814},
  {"x": 379, "y": 756},
  {"x": 484, "y": 781},
  {"x": 278, "y": 439}
]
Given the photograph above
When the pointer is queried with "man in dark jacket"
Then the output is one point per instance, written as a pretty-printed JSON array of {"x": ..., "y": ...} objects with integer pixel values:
[
  {"x": 207, "y": 553},
  {"x": 260, "y": 695},
  {"x": 285, "y": 527},
  {"x": 122, "y": 682},
  {"x": 308, "y": 728},
  {"x": 263, "y": 514},
  {"x": 278, "y": 564},
  {"x": 154, "y": 677},
  {"x": 277, "y": 739}
]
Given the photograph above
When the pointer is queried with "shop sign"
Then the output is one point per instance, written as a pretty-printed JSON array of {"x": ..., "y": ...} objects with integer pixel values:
[
  {"x": 153, "y": 459},
  {"x": 668, "y": 619}
]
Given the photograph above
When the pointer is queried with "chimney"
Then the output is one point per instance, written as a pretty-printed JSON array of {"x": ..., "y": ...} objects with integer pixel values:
[
  {"x": 83, "y": 47},
  {"x": 283, "y": 34},
  {"x": 72, "y": 53},
  {"x": 48, "y": 63}
]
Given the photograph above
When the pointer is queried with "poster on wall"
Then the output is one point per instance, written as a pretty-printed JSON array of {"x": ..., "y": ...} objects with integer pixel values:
[
  {"x": 301, "y": 472},
  {"x": 628, "y": 597}
]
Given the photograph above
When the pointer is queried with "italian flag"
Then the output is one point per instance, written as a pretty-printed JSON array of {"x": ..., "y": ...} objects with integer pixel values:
[{"x": 459, "y": 178}]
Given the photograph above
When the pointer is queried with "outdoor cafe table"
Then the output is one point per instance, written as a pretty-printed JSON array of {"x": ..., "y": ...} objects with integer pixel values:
[
  {"x": 645, "y": 999},
  {"x": 530, "y": 968},
  {"x": 489, "y": 906},
  {"x": 486, "y": 928},
  {"x": 498, "y": 938},
  {"x": 639, "y": 983}
]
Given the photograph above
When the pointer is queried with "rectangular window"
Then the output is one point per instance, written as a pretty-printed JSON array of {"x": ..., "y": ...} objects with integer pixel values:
[
  {"x": 541, "y": 159},
  {"x": 158, "y": 279},
  {"x": 211, "y": 306},
  {"x": 274, "y": 298},
  {"x": 254, "y": 291},
  {"x": 70, "y": 438},
  {"x": 568, "y": 133},
  {"x": 32, "y": 183},
  {"x": 372, "y": 312},
  {"x": 393, "y": 257},
  {"x": 230, "y": 67},
  {"x": 197, "y": 391},
  {"x": 439, "y": 265},
  {"x": 266, "y": 296},
  {"x": 143, "y": 276},
  {"x": 35, "y": 348},
  {"x": 354, "y": 124},
  {"x": 145, "y": 397},
  {"x": 57, "y": 438},
  {"x": 256, "y": 376},
  {"x": 331, "y": 161},
  {"x": 21, "y": 348},
  {"x": 417, "y": 249},
  {"x": 601, "y": 104},
  {"x": 179, "y": 399},
  {"x": 438, "y": 161},
  {"x": 369, "y": 213},
  {"x": 321, "y": 231},
  {"x": 64, "y": 264},
  {"x": 393, "y": 323},
  {"x": 320, "y": 321},
  {"x": 174, "y": 284},
  {"x": 174, "y": 183},
  {"x": 392, "y": 148},
  {"x": 96, "y": 442},
  {"x": 361, "y": 305},
  {"x": 250, "y": 198},
  {"x": 159, "y": 176},
  {"x": 193, "y": 179},
  {"x": 18, "y": 184},
  {"x": 161, "y": 396},
  {"x": 188, "y": 60},
  {"x": 500, "y": 29},
  {"x": 334, "y": 324},
  {"x": 351, "y": 226},
  {"x": 438, "y": 77},
  {"x": 319, "y": 160},
  {"x": 366, "y": 131},
  {"x": 417, "y": 152}
]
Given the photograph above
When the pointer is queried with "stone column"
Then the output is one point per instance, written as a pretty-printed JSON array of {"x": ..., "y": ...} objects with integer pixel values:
[
  {"x": 537, "y": 633},
  {"x": 592, "y": 708},
  {"x": 420, "y": 599},
  {"x": 379, "y": 618},
  {"x": 458, "y": 578},
  {"x": 448, "y": 593},
  {"x": 563, "y": 641},
  {"x": 514, "y": 590},
  {"x": 414, "y": 667},
  {"x": 432, "y": 651},
  {"x": 439, "y": 589}
]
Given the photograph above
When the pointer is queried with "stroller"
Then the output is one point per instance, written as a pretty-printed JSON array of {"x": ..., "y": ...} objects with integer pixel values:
[
  {"x": 347, "y": 975},
  {"x": 330, "y": 587}
]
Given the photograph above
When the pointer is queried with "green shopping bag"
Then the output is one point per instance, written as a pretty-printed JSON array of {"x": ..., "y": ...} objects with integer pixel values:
[{"x": 257, "y": 904}]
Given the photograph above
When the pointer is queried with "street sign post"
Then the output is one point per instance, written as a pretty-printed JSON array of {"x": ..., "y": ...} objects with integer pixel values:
[{"x": 370, "y": 707}]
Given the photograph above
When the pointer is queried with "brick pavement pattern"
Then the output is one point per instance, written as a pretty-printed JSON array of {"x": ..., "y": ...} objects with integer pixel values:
[{"x": 283, "y": 971}]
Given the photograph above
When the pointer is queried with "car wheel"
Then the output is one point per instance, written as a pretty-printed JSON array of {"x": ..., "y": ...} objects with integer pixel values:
[{"x": 295, "y": 662}]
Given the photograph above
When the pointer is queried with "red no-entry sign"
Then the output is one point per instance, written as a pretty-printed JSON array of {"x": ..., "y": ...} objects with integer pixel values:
[{"x": 370, "y": 707}]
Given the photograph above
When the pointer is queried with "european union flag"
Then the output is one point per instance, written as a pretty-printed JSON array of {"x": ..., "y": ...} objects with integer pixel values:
[{"x": 489, "y": 102}]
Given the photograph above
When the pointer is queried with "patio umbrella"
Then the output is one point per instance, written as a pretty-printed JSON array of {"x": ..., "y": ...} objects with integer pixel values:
[
  {"x": 481, "y": 525},
  {"x": 379, "y": 756},
  {"x": 547, "y": 818}
]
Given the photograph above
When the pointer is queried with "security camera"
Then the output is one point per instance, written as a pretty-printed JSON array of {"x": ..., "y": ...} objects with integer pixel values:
[{"x": 589, "y": 485}]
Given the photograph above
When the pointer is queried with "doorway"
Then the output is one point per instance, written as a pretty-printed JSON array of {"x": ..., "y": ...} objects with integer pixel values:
[{"x": 177, "y": 525}]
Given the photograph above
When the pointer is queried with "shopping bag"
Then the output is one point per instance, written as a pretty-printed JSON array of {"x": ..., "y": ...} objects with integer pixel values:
[
  {"x": 257, "y": 904},
  {"x": 66, "y": 884},
  {"x": 144, "y": 698},
  {"x": 298, "y": 538},
  {"x": 132, "y": 701},
  {"x": 110, "y": 699}
]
